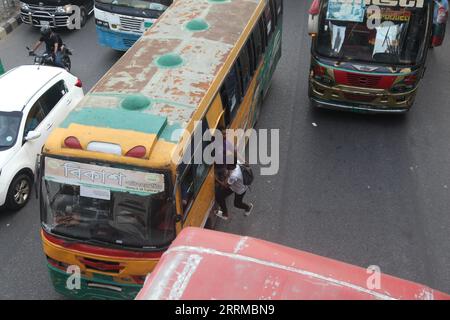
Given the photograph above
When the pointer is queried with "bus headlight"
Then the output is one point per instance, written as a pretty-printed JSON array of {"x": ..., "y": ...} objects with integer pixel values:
[
  {"x": 321, "y": 75},
  {"x": 102, "y": 23},
  {"x": 408, "y": 83}
]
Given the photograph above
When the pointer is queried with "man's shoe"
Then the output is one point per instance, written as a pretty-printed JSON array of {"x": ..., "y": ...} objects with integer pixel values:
[
  {"x": 247, "y": 213},
  {"x": 219, "y": 213}
]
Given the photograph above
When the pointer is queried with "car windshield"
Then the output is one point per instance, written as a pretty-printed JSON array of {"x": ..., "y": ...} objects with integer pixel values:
[
  {"x": 9, "y": 128},
  {"x": 346, "y": 33},
  {"x": 109, "y": 216},
  {"x": 159, "y": 5}
]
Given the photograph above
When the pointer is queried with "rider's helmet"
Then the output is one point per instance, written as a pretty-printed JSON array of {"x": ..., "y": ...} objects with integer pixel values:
[{"x": 45, "y": 31}]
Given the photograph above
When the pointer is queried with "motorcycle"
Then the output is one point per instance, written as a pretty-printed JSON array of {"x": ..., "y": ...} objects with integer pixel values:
[{"x": 47, "y": 59}]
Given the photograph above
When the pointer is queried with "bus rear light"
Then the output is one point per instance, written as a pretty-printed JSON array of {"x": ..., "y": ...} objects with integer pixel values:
[
  {"x": 79, "y": 84},
  {"x": 72, "y": 143},
  {"x": 137, "y": 152}
]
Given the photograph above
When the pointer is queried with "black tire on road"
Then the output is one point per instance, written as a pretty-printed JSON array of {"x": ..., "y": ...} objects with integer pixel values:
[
  {"x": 19, "y": 192},
  {"x": 83, "y": 16}
]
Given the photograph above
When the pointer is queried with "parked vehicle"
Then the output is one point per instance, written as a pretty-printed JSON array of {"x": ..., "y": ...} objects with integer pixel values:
[
  {"x": 55, "y": 13},
  {"x": 33, "y": 101},
  {"x": 368, "y": 61},
  {"x": 209, "y": 265},
  {"x": 121, "y": 22},
  {"x": 46, "y": 59}
]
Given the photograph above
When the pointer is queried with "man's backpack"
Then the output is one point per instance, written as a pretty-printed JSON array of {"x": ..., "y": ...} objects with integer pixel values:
[{"x": 247, "y": 174}]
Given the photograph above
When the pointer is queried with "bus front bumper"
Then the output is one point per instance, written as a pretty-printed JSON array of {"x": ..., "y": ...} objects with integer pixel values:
[
  {"x": 116, "y": 40},
  {"x": 353, "y": 107},
  {"x": 359, "y": 100},
  {"x": 83, "y": 288}
]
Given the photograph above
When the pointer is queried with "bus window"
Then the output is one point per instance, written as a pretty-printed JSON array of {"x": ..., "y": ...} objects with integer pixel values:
[
  {"x": 200, "y": 172},
  {"x": 245, "y": 69},
  {"x": 258, "y": 41},
  {"x": 269, "y": 22},
  {"x": 262, "y": 28},
  {"x": 230, "y": 94},
  {"x": 187, "y": 190},
  {"x": 273, "y": 12},
  {"x": 279, "y": 7},
  {"x": 251, "y": 54}
]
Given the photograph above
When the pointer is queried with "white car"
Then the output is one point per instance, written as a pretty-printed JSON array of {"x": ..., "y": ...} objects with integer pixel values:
[{"x": 33, "y": 101}]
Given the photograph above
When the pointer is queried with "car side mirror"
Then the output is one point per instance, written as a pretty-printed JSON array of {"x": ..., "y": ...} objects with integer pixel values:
[{"x": 32, "y": 135}]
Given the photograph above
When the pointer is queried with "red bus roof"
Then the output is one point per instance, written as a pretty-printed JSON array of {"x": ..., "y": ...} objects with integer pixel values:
[{"x": 204, "y": 264}]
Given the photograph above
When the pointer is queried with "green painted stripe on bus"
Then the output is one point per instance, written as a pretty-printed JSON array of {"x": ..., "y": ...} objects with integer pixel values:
[{"x": 116, "y": 119}]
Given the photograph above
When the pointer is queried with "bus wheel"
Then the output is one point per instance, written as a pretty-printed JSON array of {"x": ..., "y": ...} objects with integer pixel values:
[{"x": 19, "y": 192}]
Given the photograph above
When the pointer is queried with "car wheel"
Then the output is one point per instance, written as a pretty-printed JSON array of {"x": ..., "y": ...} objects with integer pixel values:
[
  {"x": 83, "y": 16},
  {"x": 19, "y": 192}
]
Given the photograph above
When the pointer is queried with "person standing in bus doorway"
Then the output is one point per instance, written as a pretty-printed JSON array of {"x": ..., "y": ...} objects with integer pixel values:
[{"x": 234, "y": 184}]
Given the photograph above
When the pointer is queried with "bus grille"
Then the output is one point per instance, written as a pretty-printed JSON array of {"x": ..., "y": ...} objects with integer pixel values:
[
  {"x": 129, "y": 42},
  {"x": 359, "y": 97},
  {"x": 362, "y": 80},
  {"x": 130, "y": 24},
  {"x": 49, "y": 9}
]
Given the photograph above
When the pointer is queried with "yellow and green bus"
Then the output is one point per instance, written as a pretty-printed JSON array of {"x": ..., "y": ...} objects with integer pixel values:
[{"x": 111, "y": 197}]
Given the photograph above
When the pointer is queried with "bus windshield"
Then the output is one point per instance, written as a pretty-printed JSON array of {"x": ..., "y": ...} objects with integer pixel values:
[
  {"x": 346, "y": 34},
  {"x": 117, "y": 217},
  {"x": 158, "y": 5}
]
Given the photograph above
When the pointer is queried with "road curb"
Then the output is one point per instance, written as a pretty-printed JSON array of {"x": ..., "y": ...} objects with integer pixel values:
[{"x": 7, "y": 27}]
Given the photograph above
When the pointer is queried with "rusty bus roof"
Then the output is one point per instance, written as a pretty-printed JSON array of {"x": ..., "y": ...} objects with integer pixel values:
[{"x": 158, "y": 84}]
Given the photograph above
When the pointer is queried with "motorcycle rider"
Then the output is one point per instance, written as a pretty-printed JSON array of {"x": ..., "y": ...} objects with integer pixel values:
[{"x": 53, "y": 45}]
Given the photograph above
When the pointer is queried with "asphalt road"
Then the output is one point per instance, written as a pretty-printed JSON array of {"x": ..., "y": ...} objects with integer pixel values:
[{"x": 367, "y": 190}]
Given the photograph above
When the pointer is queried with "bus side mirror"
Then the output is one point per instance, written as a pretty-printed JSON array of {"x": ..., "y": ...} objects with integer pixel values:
[
  {"x": 313, "y": 19},
  {"x": 313, "y": 25}
]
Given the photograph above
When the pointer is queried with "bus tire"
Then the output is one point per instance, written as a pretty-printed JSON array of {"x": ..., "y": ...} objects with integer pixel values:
[{"x": 19, "y": 192}]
